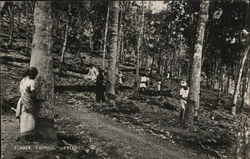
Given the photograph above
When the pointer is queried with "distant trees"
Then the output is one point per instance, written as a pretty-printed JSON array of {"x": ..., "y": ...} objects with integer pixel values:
[
  {"x": 41, "y": 58},
  {"x": 194, "y": 91}
]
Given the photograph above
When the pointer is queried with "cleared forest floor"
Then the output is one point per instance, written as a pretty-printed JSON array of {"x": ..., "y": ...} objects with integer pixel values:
[{"x": 141, "y": 127}]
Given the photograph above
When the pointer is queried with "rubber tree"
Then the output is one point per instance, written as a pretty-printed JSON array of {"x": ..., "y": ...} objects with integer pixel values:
[
  {"x": 41, "y": 58},
  {"x": 111, "y": 78},
  {"x": 27, "y": 29},
  {"x": 105, "y": 39},
  {"x": 2, "y": 4},
  {"x": 11, "y": 27},
  {"x": 65, "y": 38},
  {"x": 138, "y": 50},
  {"x": 243, "y": 60},
  {"x": 194, "y": 90}
]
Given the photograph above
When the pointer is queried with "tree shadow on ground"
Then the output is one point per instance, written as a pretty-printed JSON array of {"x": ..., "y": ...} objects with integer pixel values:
[
  {"x": 76, "y": 88},
  {"x": 168, "y": 93},
  {"x": 6, "y": 59}
]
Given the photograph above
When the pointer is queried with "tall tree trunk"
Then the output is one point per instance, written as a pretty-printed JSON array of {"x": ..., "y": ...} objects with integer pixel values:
[
  {"x": 91, "y": 42},
  {"x": 244, "y": 57},
  {"x": 41, "y": 58},
  {"x": 111, "y": 79},
  {"x": 163, "y": 69},
  {"x": 120, "y": 29},
  {"x": 152, "y": 64},
  {"x": 105, "y": 39},
  {"x": 138, "y": 50},
  {"x": 247, "y": 94},
  {"x": 2, "y": 4},
  {"x": 18, "y": 19},
  {"x": 237, "y": 86},
  {"x": 27, "y": 31},
  {"x": 65, "y": 39},
  {"x": 11, "y": 14},
  {"x": 122, "y": 48},
  {"x": 193, "y": 98}
]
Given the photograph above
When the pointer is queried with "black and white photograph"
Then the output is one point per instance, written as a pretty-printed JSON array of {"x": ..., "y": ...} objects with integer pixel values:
[{"x": 125, "y": 79}]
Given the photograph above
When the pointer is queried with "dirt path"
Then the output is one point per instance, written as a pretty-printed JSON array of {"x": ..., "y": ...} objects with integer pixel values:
[
  {"x": 140, "y": 145},
  {"x": 9, "y": 131}
]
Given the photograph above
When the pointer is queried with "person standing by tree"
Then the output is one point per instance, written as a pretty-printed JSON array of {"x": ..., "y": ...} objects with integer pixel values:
[
  {"x": 26, "y": 105},
  {"x": 144, "y": 82},
  {"x": 100, "y": 87},
  {"x": 120, "y": 75},
  {"x": 159, "y": 85},
  {"x": 92, "y": 75},
  {"x": 183, "y": 96}
]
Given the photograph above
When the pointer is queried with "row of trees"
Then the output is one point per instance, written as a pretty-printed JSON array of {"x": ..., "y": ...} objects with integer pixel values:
[{"x": 171, "y": 40}]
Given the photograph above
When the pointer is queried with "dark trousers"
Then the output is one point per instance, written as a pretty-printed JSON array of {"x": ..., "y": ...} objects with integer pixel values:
[
  {"x": 100, "y": 94},
  {"x": 182, "y": 115}
]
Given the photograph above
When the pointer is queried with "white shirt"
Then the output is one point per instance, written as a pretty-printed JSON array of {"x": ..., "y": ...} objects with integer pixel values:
[
  {"x": 184, "y": 93},
  {"x": 26, "y": 84},
  {"x": 92, "y": 74}
]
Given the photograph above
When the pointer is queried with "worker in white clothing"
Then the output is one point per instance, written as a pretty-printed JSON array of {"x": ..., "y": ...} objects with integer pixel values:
[
  {"x": 184, "y": 91},
  {"x": 92, "y": 75},
  {"x": 144, "y": 82},
  {"x": 159, "y": 85}
]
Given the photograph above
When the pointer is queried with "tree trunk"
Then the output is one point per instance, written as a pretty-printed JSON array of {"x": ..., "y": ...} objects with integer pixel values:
[
  {"x": 11, "y": 14},
  {"x": 111, "y": 79},
  {"x": 41, "y": 58},
  {"x": 137, "y": 74},
  {"x": 163, "y": 69},
  {"x": 105, "y": 40},
  {"x": 91, "y": 43},
  {"x": 194, "y": 91},
  {"x": 122, "y": 49},
  {"x": 65, "y": 40},
  {"x": 247, "y": 94},
  {"x": 237, "y": 86},
  {"x": 120, "y": 31},
  {"x": 18, "y": 19},
  {"x": 245, "y": 54},
  {"x": 2, "y": 4},
  {"x": 152, "y": 64},
  {"x": 27, "y": 31}
]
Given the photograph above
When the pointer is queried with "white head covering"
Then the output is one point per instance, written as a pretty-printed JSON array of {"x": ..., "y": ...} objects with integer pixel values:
[{"x": 183, "y": 83}]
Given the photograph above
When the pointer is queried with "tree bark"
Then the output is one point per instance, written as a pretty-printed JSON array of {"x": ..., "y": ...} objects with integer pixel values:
[
  {"x": 105, "y": 40},
  {"x": 41, "y": 58},
  {"x": 137, "y": 74},
  {"x": 194, "y": 91},
  {"x": 111, "y": 79}
]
